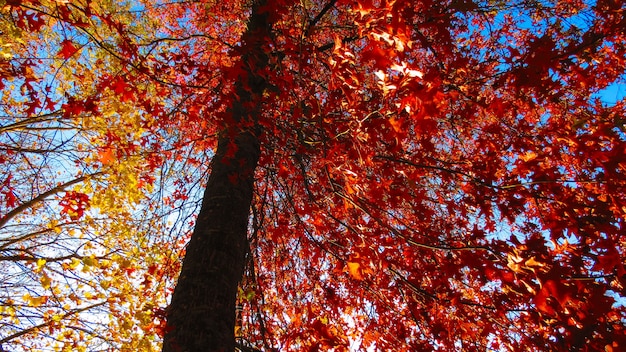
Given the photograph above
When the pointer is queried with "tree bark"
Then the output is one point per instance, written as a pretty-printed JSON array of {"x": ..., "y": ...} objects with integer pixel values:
[{"x": 201, "y": 315}]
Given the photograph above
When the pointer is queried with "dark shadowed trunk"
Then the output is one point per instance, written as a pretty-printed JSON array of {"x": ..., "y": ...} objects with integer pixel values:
[{"x": 201, "y": 315}]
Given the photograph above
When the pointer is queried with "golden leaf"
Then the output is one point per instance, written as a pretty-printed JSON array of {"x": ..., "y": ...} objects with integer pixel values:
[
  {"x": 45, "y": 281},
  {"x": 354, "y": 269}
]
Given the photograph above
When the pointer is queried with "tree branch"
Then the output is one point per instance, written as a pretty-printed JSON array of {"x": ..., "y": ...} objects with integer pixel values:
[{"x": 60, "y": 188}]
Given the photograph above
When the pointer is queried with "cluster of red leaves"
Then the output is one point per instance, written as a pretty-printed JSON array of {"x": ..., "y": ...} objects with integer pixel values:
[
  {"x": 74, "y": 204},
  {"x": 435, "y": 174},
  {"x": 26, "y": 19},
  {"x": 437, "y": 195},
  {"x": 7, "y": 191}
]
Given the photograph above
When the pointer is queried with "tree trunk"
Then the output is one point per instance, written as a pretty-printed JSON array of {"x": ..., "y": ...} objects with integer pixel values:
[{"x": 201, "y": 315}]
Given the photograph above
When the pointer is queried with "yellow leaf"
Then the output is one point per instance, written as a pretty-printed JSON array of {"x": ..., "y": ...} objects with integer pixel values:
[
  {"x": 54, "y": 226},
  {"x": 104, "y": 264},
  {"x": 514, "y": 262},
  {"x": 34, "y": 301},
  {"x": 74, "y": 263},
  {"x": 45, "y": 281},
  {"x": 125, "y": 263},
  {"x": 89, "y": 261},
  {"x": 40, "y": 263}
]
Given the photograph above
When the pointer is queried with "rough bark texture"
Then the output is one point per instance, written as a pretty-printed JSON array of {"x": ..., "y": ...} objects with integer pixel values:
[{"x": 201, "y": 315}]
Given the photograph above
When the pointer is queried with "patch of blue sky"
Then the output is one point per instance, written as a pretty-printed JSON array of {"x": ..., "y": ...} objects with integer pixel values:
[{"x": 614, "y": 92}]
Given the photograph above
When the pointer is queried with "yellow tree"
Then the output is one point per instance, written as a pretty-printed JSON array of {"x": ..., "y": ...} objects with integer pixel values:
[{"x": 76, "y": 219}]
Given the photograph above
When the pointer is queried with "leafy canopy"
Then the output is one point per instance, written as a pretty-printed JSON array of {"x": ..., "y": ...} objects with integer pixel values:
[{"x": 434, "y": 174}]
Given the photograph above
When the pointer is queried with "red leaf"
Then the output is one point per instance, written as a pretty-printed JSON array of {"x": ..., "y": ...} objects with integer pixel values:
[
  {"x": 68, "y": 48},
  {"x": 9, "y": 197},
  {"x": 74, "y": 204}
]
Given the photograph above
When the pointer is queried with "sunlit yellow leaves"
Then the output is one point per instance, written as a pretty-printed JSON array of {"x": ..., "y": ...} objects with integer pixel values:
[
  {"x": 71, "y": 232},
  {"x": 145, "y": 345},
  {"x": 45, "y": 281},
  {"x": 533, "y": 264},
  {"x": 123, "y": 262},
  {"x": 7, "y": 309},
  {"x": 11, "y": 38},
  {"x": 89, "y": 261},
  {"x": 91, "y": 296},
  {"x": 53, "y": 225},
  {"x": 40, "y": 263},
  {"x": 74, "y": 263},
  {"x": 34, "y": 301},
  {"x": 143, "y": 316}
]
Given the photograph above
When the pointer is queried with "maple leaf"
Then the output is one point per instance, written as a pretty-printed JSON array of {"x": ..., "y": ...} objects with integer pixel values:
[
  {"x": 74, "y": 204},
  {"x": 7, "y": 190},
  {"x": 354, "y": 270},
  {"x": 106, "y": 156},
  {"x": 68, "y": 49}
]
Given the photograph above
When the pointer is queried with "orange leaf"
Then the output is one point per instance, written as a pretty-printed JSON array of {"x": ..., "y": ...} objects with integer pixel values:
[
  {"x": 106, "y": 156},
  {"x": 355, "y": 270},
  {"x": 396, "y": 124}
]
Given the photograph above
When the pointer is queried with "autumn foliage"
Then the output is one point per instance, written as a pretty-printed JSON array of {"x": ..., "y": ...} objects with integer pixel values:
[{"x": 433, "y": 175}]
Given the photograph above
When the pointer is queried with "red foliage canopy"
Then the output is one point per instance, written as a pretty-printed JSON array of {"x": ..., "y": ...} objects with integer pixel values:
[{"x": 434, "y": 174}]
